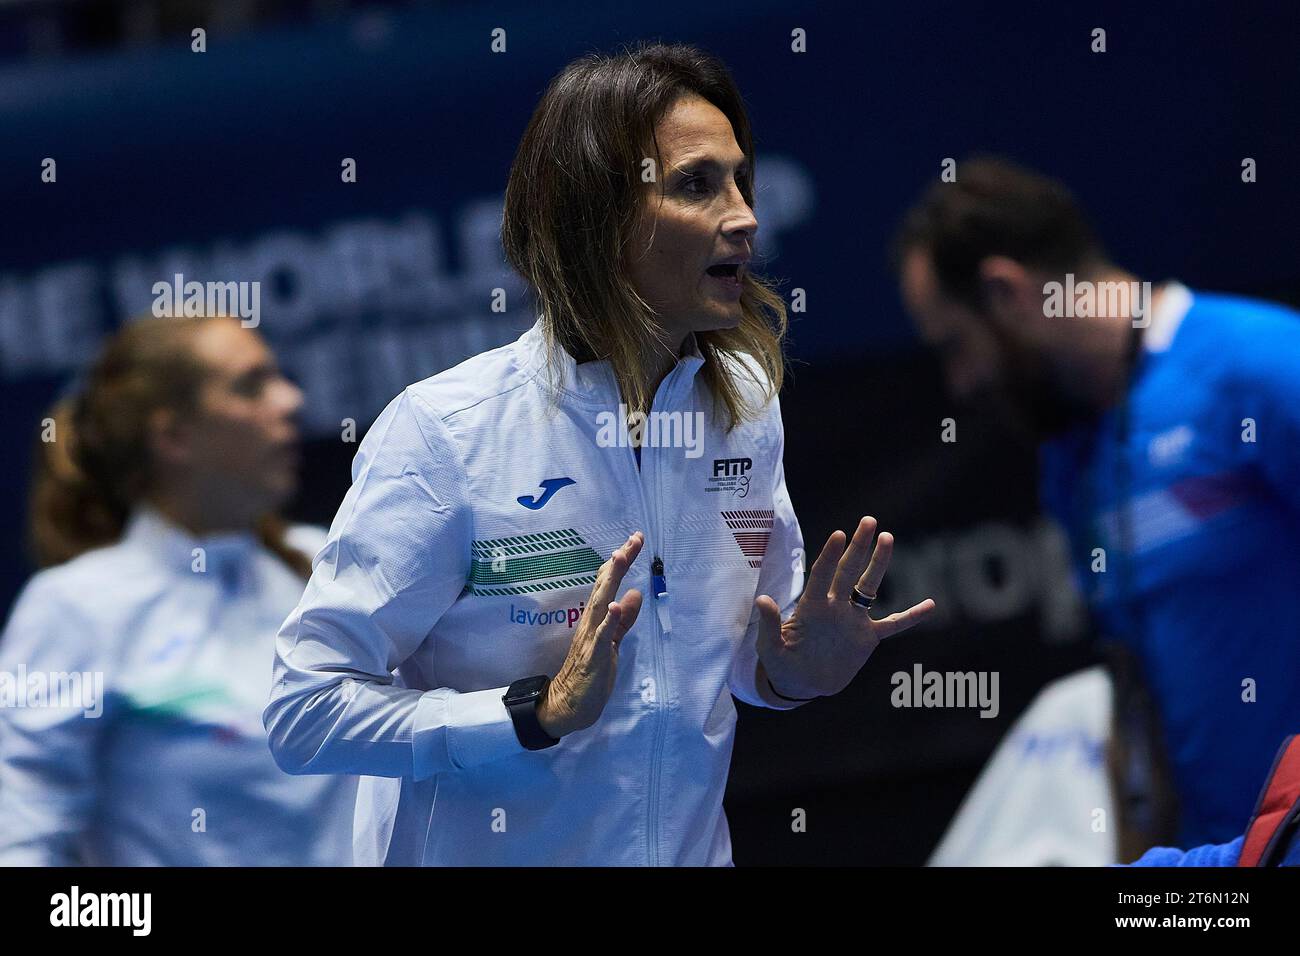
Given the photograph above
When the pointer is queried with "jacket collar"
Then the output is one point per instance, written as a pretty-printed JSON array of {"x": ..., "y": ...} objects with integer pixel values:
[
  {"x": 227, "y": 556},
  {"x": 593, "y": 383},
  {"x": 1174, "y": 305}
]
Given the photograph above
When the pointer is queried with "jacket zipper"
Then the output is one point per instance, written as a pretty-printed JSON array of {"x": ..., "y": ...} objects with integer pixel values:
[
  {"x": 659, "y": 584},
  {"x": 662, "y": 627}
]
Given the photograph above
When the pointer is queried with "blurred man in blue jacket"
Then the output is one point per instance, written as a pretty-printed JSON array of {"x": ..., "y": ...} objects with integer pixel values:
[{"x": 1170, "y": 427}]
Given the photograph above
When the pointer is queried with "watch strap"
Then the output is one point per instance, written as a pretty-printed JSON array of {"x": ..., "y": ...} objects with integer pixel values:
[{"x": 523, "y": 713}]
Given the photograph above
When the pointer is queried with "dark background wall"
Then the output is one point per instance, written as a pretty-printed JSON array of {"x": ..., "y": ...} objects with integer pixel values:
[{"x": 226, "y": 165}]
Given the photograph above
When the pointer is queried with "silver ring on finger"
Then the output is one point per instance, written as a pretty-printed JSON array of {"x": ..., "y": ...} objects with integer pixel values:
[{"x": 861, "y": 600}]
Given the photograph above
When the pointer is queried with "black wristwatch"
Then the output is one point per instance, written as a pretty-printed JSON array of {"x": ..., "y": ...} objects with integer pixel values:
[{"x": 521, "y": 700}]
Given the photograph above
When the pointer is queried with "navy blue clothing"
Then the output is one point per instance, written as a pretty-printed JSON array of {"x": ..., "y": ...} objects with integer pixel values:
[{"x": 1205, "y": 583}]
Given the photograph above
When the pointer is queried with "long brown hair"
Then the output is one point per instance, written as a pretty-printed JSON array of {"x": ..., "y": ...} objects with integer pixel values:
[
  {"x": 571, "y": 207},
  {"x": 92, "y": 465}
]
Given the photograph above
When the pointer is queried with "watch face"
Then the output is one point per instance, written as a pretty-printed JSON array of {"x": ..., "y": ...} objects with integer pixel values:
[{"x": 522, "y": 690}]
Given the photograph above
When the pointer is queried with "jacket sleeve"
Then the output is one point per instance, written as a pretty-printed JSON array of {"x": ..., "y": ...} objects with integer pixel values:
[
  {"x": 1223, "y": 854},
  {"x": 781, "y": 577},
  {"x": 397, "y": 556},
  {"x": 48, "y": 746}
]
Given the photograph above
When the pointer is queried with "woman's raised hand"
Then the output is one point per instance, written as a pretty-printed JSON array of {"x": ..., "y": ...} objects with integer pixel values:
[
  {"x": 575, "y": 698},
  {"x": 828, "y": 638}
]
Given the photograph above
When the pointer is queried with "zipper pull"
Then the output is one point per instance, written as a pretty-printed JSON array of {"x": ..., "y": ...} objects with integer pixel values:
[{"x": 659, "y": 584}]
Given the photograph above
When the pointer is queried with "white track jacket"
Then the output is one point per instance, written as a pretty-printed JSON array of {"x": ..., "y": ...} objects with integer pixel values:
[
  {"x": 481, "y": 507},
  {"x": 132, "y": 684}
]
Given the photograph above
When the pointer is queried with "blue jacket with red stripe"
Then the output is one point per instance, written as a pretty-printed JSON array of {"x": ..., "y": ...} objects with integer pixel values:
[
  {"x": 1270, "y": 838},
  {"x": 1202, "y": 561}
]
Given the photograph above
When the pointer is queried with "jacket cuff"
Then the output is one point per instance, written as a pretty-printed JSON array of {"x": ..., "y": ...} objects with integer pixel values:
[
  {"x": 462, "y": 730},
  {"x": 771, "y": 700}
]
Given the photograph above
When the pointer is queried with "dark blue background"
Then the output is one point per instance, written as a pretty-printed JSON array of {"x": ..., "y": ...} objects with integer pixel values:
[{"x": 163, "y": 147}]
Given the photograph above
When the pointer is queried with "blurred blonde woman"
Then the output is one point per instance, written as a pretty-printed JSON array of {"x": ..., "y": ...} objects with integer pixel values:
[{"x": 165, "y": 573}]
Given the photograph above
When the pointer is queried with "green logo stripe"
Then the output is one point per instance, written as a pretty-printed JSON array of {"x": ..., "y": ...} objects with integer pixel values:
[
  {"x": 585, "y": 580},
  {"x": 528, "y": 543},
  {"x": 531, "y": 568},
  {"x": 183, "y": 704}
]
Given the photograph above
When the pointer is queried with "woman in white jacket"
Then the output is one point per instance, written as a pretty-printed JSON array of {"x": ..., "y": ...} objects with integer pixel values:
[
  {"x": 135, "y": 665},
  {"x": 462, "y": 640}
]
